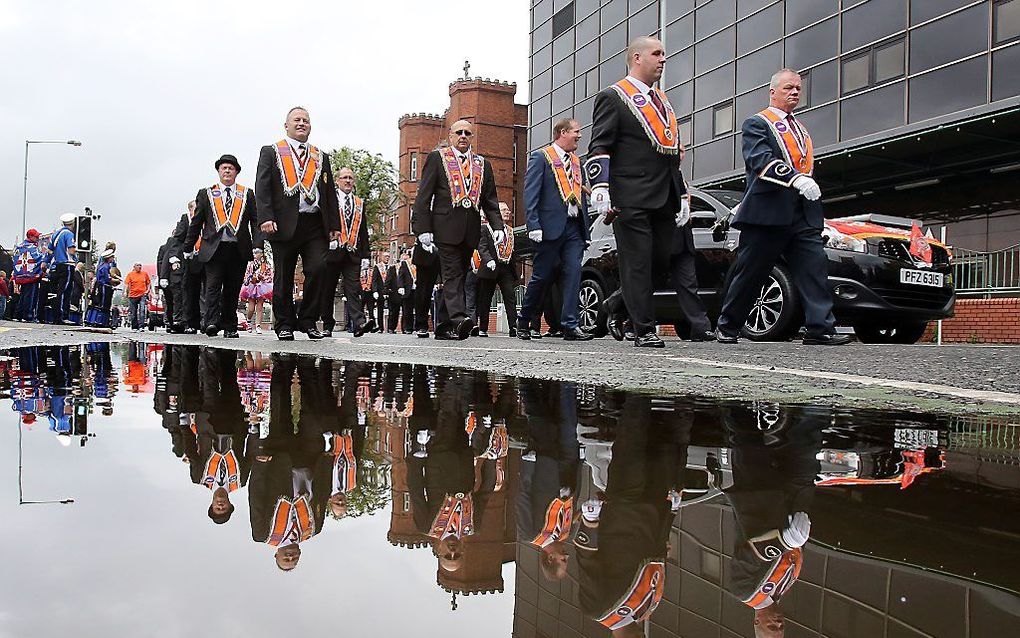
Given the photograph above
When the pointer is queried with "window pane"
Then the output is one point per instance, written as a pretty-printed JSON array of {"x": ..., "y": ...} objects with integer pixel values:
[
  {"x": 580, "y": 87},
  {"x": 592, "y": 82},
  {"x": 872, "y": 21},
  {"x": 682, "y": 98},
  {"x": 714, "y": 87},
  {"x": 714, "y": 158},
  {"x": 563, "y": 98},
  {"x": 563, "y": 71},
  {"x": 613, "y": 12},
  {"x": 563, "y": 20},
  {"x": 587, "y": 29},
  {"x": 821, "y": 124},
  {"x": 680, "y": 67},
  {"x": 750, "y": 103},
  {"x": 685, "y": 131},
  {"x": 677, "y": 8},
  {"x": 923, "y": 10},
  {"x": 540, "y": 108},
  {"x": 1005, "y": 79},
  {"x": 760, "y": 29},
  {"x": 800, "y": 13},
  {"x": 714, "y": 15},
  {"x": 871, "y": 112},
  {"x": 587, "y": 57},
  {"x": 584, "y": 8},
  {"x": 1007, "y": 21},
  {"x": 542, "y": 60},
  {"x": 747, "y": 7},
  {"x": 613, "y": 69},
  {"x": 929, "y": 97},
  {"x": 680, "y": 34},
  {"x": 811, "y": 46},
  {"x": 541, "y": 85},
  {"x": 723, "y": 119},
  {"x": 542, "y": 35},
  {"x": 756, "y": 69},
  {"x": 889, "y": 61},
  {"x": 702, "y": 126},
  {"x": 563, "y": 45},
  {"x": 823, "y": 83},
  {"x": 613, "y": 41},
  {"x": 949, "y": 39},
  {"x": 583, "y": 111},
  {"x": 714, "y": 51},
  {"x": 543, "y": 11},
  {"x": 855, "y": 73},
  {"x": 644, "y": 22}
]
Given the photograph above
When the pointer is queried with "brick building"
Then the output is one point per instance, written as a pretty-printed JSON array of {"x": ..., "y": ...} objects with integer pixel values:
[{"x": 501, "y": 127}]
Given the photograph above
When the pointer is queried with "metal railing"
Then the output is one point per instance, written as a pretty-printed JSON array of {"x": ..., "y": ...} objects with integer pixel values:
[{"x": 980, "y": 274}]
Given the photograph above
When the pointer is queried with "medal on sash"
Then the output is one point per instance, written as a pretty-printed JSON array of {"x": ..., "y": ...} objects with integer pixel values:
[
  {"x": 349, "y": 233},
  {"x": 292, "y": 521},
  {"x": 641, "y": 599},
  {"x": 661, "y": 129},
  {"x": 223, "y": 217},
  {"x": 559, "y": 516},
  {"x": 455, "y": 518},
  {"x": 296, "y": 177},
  {"x": 569, "y": 184},
  {"x": 782, "y": 574},
  {"x": 798, "y": 151},
  {"x": 345, "y": 465},
  {"x": 221, "y": 470},
  {"x": 460, "y": 194}
]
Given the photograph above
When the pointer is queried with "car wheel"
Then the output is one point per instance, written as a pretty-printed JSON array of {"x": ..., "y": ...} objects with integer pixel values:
[
  {"x": 901, "y": 333},
  {"x": 776, "y": 311},
  {"x": 590, "y": 316}
]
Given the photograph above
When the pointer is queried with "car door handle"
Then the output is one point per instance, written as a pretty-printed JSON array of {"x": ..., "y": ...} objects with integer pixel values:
[{"x": 605, "y": 247}]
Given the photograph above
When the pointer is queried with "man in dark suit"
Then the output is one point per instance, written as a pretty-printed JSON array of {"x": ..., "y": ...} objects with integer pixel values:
[
  {"x": 225, "y": 220},
  {"x": 456, "y": 184},
  {"x": 557, "y": 220},
  {"x": 406, "y": 276},
  {"x": 780, "y": 215},
  {"x": 426, "y": 263},
  {"x": 345, "y": 258},
  {"x": 636, "y": 129},
  {"x": 381, "y": 288},
  {"x": 394, "y": 298},
  {"x": 498, "y": 269},
  {"x": 298, "y": 213},
  {"x": 191, "y": 273}
]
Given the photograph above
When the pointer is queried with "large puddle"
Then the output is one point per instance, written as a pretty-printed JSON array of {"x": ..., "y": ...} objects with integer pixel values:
[{"x": 186, "y": 491}]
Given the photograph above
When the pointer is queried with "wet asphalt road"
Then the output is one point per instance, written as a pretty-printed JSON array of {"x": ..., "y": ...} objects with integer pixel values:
[{"x": 953, "y": 378}]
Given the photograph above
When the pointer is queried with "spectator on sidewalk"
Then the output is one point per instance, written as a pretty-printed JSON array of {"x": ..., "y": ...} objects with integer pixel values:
[
  {"x": 5, "y": 292},
  {"x": 137, "y": 284}
]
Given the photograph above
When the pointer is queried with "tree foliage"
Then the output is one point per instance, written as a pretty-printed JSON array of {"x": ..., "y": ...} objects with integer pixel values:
[{"x": 376, "y": 181}]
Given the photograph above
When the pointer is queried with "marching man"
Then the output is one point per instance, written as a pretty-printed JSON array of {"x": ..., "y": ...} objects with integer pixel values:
[
  {"x": 346, "y": 258},
  {"x": 28, "y": 271}
]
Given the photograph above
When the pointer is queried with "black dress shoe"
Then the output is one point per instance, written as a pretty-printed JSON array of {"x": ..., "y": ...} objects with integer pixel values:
[
  {"x": 475, "y": 331},
  {"x": 722, "y": 337},
  {"x": 537, "y": 334},
  {"x": 615, "y": 327},
  {"x": 464, "y": 328},
  {"x": 212, "y": 331},
  {"x": 313, "y": 333},
  {"x": 326, "y": 334},
  {"x": 368, "y": 326},
  {"x": 190, "y": 331},
  {"x": 285, "y": 335},
  {"x": 230, "y": 334},
  {"x": 826, "y": 340},
  {"x": 553, "y": 334},
  {"x": 649, "y": 340},
  {"x": 391, "y": 332},
  {"x": 423, "y": 334},
  {"x": 708, "y": 335},
  {"x": 447, "y": 335},
  {"x": 513, "y": 332},
  {"x": 524, "y": 334},
  {"x": 576, "y": 334}
]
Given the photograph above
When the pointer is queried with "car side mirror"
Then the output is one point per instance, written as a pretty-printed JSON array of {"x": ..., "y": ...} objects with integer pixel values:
[{"x": 720, "y": 230}]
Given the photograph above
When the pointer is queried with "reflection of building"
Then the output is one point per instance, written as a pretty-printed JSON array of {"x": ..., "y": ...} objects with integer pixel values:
[
  {"x": 393, "y": 436},
  {"x": 500, "y": 129}
]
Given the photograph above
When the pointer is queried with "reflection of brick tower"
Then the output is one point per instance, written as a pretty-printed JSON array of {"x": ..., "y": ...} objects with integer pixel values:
[
  {"x": 393, "y": 434},
  {"x": 500, "y": 135}
]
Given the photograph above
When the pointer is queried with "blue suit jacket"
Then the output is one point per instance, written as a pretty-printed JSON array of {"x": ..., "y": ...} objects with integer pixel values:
[
  {"x": 770, "y": 198},
  {"x": 544, "y": 209}
]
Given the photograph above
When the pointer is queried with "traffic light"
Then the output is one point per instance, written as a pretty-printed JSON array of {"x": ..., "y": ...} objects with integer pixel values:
[{"x": 83, "y": 233}]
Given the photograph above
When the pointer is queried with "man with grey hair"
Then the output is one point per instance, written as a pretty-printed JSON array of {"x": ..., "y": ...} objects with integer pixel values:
[
  {"x": 780, "y": 215},
  {"x": 635, "y": 128}
]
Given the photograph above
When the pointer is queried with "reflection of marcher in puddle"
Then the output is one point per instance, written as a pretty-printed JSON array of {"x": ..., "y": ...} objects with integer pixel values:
[
  {"x": 622, "y": 542},
  {"x": 63, "y": 371},
  {"x": 549, "y": 469},
  {"x": 344, "y": 430},
  {"x": 28, "y": 392},
  {"x": 104, "y": 380},
  {"x": 225, "y": 444},
  {"x": 774, "y": 469},
  {"x": 280, "y": 491},
  {"x": 135, "y": 373}
]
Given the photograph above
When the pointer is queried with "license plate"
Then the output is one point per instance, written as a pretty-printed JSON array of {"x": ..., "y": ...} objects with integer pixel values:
[
  {"x": 915, "y": 439},
  {"x": 922, "y": 278}
]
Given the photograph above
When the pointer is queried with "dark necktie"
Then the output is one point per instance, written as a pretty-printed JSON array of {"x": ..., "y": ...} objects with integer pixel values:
[
  {"x": 348, "y": 210},
  {"x": 302, "y": 155},
  {"x": 465, "y": 170},
  {"x": 567, "y": 162},
  {"x": 228, "y": 201},
  {"x": 659, "y": 106}
]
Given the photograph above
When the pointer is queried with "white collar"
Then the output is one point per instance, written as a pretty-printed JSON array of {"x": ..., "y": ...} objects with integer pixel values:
[
  {"x": 641, "y": 86},
  {"x": 780, "y": 112},
  {"x": 459, "y": 154},
  {"x": 226, "y": 188},
  {"x": 293, "y": 142},
  {"x": 559, "y": 149},
  {"x": 344, "y": 195}
]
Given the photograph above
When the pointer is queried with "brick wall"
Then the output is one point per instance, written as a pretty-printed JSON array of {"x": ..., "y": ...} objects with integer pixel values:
[{"x": 981, "y": 321}]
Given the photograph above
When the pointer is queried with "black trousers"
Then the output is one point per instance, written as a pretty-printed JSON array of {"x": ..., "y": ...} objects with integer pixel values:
[
  {"x": 453, "y": 266},
  {"x": 310, "y": 243},
  {"x": 224, "y": 273},
  {"x": 63, "y": 285},
  {"x": 644, "y": 240},
  {"x": 505, "y": 279},
  {"x": 348, "y": 269},
  {"x": 552, "y": 304},
  {"x": 192, "y": 293},
  {"x": 760, "y": 247},
  {"x": 407, "y": 311},
  {"x": 380, "y": 311},
  {"x": 368, "y": 304},
  {"x": 174, "y": 295},
  {"x": 685, "y": 281},
  {"x": 424, "y": 284},
  {"x": 394, "y": 303}
]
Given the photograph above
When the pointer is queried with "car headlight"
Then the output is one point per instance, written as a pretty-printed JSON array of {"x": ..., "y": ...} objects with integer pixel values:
[{"x": 841, "y": 241}]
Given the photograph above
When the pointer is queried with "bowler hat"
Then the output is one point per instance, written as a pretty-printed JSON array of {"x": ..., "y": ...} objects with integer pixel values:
[{"x": 228, "y": 159}]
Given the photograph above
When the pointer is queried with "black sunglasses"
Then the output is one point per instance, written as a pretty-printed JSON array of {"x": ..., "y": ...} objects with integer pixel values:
[{"x": 463, "y": 133}]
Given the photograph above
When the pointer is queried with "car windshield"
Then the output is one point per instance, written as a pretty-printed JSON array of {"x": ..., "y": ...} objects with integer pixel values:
[{"x": 729, "y": 198}]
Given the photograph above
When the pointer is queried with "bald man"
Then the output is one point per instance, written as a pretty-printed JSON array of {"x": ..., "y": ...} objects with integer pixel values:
[{"x": 456, "y": 185}]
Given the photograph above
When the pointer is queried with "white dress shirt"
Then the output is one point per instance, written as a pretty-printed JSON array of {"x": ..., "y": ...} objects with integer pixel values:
[
  {"x": 227, "y": 234},
  {"x": 571, "y": 208},
  {"x": 460, "y": 158},
  {"x": 303, "y": 206}
]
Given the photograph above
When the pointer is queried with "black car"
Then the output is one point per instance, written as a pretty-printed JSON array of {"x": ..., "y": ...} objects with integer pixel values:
[{"x": 877, "y": 286}]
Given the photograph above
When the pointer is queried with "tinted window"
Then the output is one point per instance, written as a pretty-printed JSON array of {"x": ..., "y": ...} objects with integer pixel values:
[
  {"x": 800, "y": 13},
  {"x": 677, "y": 8},
  {"x": 722, "y": 119},
  {"x": 682, "y": 98},
  {"x": 540, "y": 108},
  {"x": 713, "y": 158},
  {"x": 543, "y": 11},
  {"x": 563, "y": 71},
  {"x": 929, "y": 97},
  {"x": 583, "y": 111},
  {"x": 587, "y": 57},
  {"x": 587, "y": 29},
  {"x": 756, "y": 69},
  {"x": 563, "y": 46},
  {"x": 750, "y": 103},
  {"x": 613, "y": 12},
  {"x": 714, "y": 87},
  {"x": 1007, "y": 21},
  {"x": 821, "y": 124},
  {"x": 747, "y": 7},
  {"x": 813, "y": 45},
  {"x": 873, "y": 111},
  {"x": 614, "y": 40},
  {"x": 563, "y": 19},
  {"x": 542, "y": 84},
  {"x": 714, "y": 51},
  {"x": 645, "y": 22},
  {"x": 542, "y": 35},
  {"x": 702, "y": 126},
  {"x": 760, "y": 29},
  {"x": 923, "y": 10},
  {"x": 948, "y": 39},
  {"x": 855, "y": 73},
  {"x": 562, "y": 98},
  {"x": 542, "y": 60},
  {"x": 823, "y": 83},
  {"x": 889, "y": 61},
  {"x": 591, "y": 79},
  {"x": 872, "y": 21},
  {"x": 583, "y": 8},
  {"x": 680, "y": 34},
  {"x": 680, "y": 67},
  {"x": 1005, "y": 79},
  {"x": 714, "y": 15}
]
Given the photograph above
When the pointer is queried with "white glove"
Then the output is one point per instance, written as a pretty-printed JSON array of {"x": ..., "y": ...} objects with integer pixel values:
[
  {"x": 498, "y": 236},
  {"x": 591, "y": 510},
  {"x": 364, "y": 264},
  {"x": 189, "y": 255},
  {"x": 375, "y": 295},
  {"x": 400, "y": 291},
  {"x": 684, "y": 215},
  {"x": 175, "y": 260},
  {"x": 600, "y": 199},
  {"x": 808, "y": 187},
  {"x": 426, "y": 240},
  {"x": 164, "y": 283},
  {"x": 491, "y": 264},
  {"x": 675, "y": 499},
  {"x": 535, "y": 236},
  {"x": 797, "y": 530},
  {"x": 423, "y": 437}
]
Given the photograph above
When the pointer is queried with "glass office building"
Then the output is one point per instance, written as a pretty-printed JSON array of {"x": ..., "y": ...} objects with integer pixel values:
[{"x": 909, "y": 102}]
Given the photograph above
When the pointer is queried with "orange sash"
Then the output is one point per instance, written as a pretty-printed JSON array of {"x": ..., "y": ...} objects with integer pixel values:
[
  {"x": 292, "y": 520},
  {"x": 232, "y": 218},
  {"x": 662, "y": 132},
  {"x": 797, "y": 148},
  {"x": 505, "y": 248},
  {"x": 568, "y": 184},
  {"x": 294, "y": 176},
  {"x": 641, "y": 599},
  {"x": 476, "y": 261},
  {"x": 781, "y": 576},
  {"x": 470, "y": 422},
  {"x": 455, "y": 517},
  {"x": 462, "y": 194},
  {"x": 221, "y": 470},
  {"x": 559, "y": 516},
  {"x": 349, "y": 234},
  {"x": 345, "y": 465}
]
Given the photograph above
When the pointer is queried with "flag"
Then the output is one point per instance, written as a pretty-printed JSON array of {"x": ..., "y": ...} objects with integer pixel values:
[{"x": 919, "y": 246}]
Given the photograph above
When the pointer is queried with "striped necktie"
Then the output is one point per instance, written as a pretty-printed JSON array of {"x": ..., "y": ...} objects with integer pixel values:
[{"x": 228, "y": 201}]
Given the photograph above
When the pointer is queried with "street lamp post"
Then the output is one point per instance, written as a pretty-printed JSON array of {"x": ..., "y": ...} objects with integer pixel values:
[{"x": 24, "y": 193}]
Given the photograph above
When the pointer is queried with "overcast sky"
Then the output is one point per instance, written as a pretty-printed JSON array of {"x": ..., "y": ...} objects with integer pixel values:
[{"x": 157, "y": 91}]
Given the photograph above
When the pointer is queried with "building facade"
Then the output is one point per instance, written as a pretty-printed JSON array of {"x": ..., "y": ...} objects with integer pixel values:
[
  {"x": 500, "y": 136},
  {"x": 913, "y": 105}
]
